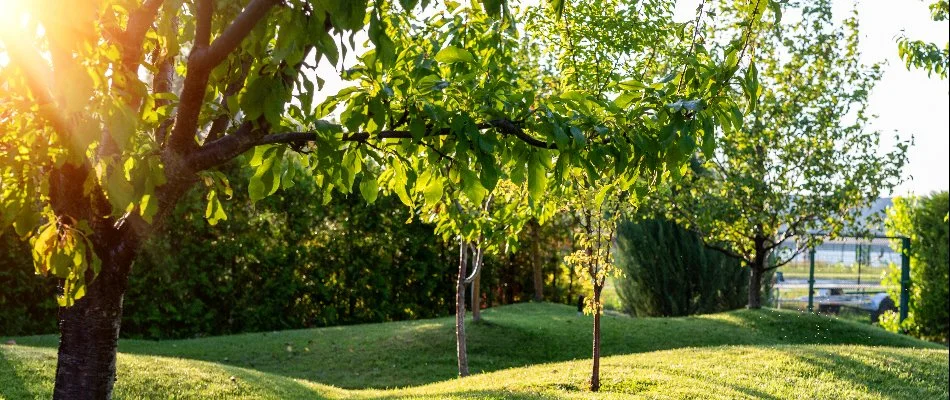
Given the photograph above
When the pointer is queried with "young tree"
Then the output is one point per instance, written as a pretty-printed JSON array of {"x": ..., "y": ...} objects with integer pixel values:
[
  {"x": 599, "y": 211},
  {"x": 802, "y": 163},
  {"x": 111, "y": 113}
]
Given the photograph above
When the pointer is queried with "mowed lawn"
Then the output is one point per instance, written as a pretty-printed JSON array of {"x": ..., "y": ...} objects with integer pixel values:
[{"x": 533, "y": 350}]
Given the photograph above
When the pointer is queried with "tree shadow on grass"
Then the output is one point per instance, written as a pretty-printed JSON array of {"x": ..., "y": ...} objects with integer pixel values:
[
  {"x": 377, "y": 356},
  {"x": 12, "y": 385},
  {"x": 886, "y": 372}
]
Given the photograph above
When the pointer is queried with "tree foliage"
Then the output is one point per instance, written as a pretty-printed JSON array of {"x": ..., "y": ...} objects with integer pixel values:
[
  {"x": 928, "y": 56},
  {"x": 112, "y": 112},
  {"x": 802, "y": 162},
  {"x": 667, "y": 271}
]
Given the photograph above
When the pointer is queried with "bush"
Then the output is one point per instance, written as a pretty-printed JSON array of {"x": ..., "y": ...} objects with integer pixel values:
[
  {"x": 27, "y": 302},
  {"x": 667, "y": 271},
  {"x": 925, "y": 221}
]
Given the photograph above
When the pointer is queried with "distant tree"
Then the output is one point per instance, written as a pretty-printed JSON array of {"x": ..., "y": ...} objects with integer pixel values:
[
  {"x": 667, "y": 271},
  {"x": 802, "y": 163},
  {"x": 927, "y": 56}
]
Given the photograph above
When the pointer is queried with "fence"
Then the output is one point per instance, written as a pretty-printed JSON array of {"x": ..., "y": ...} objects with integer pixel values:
[{"x": 845, "y": 274}]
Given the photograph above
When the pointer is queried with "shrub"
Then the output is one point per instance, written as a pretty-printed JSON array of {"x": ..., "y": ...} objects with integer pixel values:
[
  {"x": 667, "y": 271},
  {"x": 925, "y": 221}
]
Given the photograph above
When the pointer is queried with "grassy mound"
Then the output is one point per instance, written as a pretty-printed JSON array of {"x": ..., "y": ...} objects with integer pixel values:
[{"x": 756, "y": 354}]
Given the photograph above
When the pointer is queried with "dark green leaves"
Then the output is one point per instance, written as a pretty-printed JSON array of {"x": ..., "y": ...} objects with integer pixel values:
[
  {"x": 265, "y": 96},
  {"x": 537, "y": 177}
]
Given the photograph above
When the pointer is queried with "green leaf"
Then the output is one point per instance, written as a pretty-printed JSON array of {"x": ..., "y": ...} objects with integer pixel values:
[
  {"x": 537, "y": 178},
  {"x": 454, "y": 54},
  {"x": 492, "y": 7},
  {"x": 709, "y": 137},
  {"x": 433, "y": 191},
  {"x": 417, "y": 128},
  {"x": 472, "y": 187},
  {"x": 369, "y": 189},
  {"x": 385, "y": 48},
  {"x": 214, "y": 212}
]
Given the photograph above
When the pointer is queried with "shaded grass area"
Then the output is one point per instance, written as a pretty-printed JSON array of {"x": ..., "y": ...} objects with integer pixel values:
[
  {"x": 726, "y": 372},
  {"x": 420, "y": 352}
]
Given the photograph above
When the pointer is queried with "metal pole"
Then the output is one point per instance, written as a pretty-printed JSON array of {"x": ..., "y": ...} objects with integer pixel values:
[
  {"x": 811, "y": 280},
  {"x": 905, "y": 278}
]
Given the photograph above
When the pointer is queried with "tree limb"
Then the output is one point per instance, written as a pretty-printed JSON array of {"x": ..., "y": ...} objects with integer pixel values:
[{"x": 235, "y": 33}]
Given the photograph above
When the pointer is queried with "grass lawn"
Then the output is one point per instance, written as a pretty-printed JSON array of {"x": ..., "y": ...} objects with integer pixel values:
[{"x": 527, "y": 351}]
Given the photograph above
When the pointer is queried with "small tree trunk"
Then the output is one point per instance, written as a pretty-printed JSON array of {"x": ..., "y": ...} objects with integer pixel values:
[
  {"x": 477, "y": 297},
  {"x": 756, "y": 270},
  {"x": 460, "y": 314},
  {"x": 595, "y": 370},
  {"x": 536, "y": 263},
  {"x": 85, "y": 367}
]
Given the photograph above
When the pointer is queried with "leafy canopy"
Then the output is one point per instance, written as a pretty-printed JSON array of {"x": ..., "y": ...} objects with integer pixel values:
[{"x": 111, "y": 113}]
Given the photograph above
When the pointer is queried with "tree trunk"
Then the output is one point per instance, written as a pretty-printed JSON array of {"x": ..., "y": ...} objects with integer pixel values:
[
  {"x": 477, "y": 297},
  {"x": 756, "y": 270},
  {"x": 460, "y": 314},
  {"x": 536, "y": 263},
  {"x": 90, "y": 332},
  {"x": 595, "y": 370}
]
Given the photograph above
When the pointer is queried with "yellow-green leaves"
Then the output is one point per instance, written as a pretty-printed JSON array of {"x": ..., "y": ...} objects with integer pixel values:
[
  {"x": 214, "y": 212},
  {"x": 266, "y": 179},
  {"x": 452, "y": 54},
  {"x": 66, "y": 253},
  {"x": 385, "y": 48},
  {"x": 369, "y": 188}
]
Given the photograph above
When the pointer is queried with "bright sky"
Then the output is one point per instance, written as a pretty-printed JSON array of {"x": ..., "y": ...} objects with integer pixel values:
[{"x": 906, "y": 102}]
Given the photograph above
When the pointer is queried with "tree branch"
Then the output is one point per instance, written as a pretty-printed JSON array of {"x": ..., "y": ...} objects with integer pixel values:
[
  {"x": 235, "y": 33},
  {"x": 202, "y": 59},
  {"x": 139, "y": 22}
]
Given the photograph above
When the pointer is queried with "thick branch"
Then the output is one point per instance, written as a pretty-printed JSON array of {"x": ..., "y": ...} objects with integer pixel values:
[
  {"x": 139, "y": 22},
  {"x": 235, "y": 33},
  {"x": 202, "y": 59}
]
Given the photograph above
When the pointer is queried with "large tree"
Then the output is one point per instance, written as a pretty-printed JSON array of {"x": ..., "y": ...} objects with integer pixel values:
[
  {"x": 803, "y": 162},
  {"x": 110, "y": 113}
]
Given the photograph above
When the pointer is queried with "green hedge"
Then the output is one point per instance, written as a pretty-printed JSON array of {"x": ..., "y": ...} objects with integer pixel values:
[
  {"x": 668, "y": 272},
  {"x": 925, "y": 221}
]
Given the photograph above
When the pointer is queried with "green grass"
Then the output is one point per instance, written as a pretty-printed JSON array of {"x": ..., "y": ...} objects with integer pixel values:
[{"x": 535, "y": 351}]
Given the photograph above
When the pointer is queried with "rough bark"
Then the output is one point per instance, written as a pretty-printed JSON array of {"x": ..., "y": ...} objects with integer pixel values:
[
  {"x": 595, "y": 370},
  {"x": 90, "y": 329},
  {"x": 756, "y": 271}
]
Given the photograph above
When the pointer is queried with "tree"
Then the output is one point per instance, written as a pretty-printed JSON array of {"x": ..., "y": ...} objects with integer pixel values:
[
  {"x": 490, "y": 227},
  {"x": 112, "y": 112},
  {"x": 599, "y": 213},
  {"x": 667, "y": 271},
  {"x": 927, "y": 56},
  {"x": 802, "y": 163}
]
